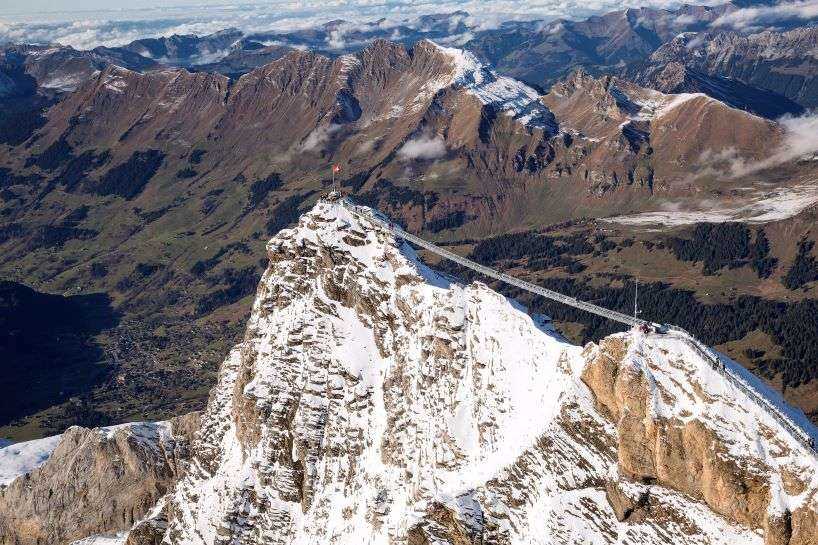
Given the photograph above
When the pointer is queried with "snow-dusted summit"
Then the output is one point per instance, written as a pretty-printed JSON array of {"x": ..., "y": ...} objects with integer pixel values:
[
  {"x": 376, "y": 401},
  {"x": 507, "y": 95}
]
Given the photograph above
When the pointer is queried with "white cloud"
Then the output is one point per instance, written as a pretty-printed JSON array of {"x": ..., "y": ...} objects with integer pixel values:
[
  {"x": 423, "y": 147},
  {"x": 457, "y": 40},
  {"x": 698, "y": 39},
  {"x": 89, "y": 23},
  {"x": 335, "y": 40},
  {"x": 766, "y": 16},
  {"x": 317, "y": 138},
  {"x": 455, "y": 22},
  {"x": 800, "y": 141},
  {"x": 365, "y": 147},
  {"x": 685, "y": 19}
]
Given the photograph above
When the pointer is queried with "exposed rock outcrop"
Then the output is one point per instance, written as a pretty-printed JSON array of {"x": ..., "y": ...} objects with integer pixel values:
[
  {"x": 780, "y": 63},
  {"x": 96, "y": 480},
  {"x": 676, "y": 433}
]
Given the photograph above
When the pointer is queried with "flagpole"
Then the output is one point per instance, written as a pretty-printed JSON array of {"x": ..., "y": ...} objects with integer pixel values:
[{"x": 335, "y": 169}]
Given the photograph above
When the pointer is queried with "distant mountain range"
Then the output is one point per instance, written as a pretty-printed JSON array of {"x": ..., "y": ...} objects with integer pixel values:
[{"x": 746, "y": 68}]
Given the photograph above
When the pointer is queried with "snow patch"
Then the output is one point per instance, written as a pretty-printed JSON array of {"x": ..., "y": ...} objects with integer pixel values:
[
  {"x": 759, "y": 207},
  {"x": 103, "y": 539},
  {"x": 654, "y": 104},
  {"x": 17, "y": 459},
  {"x": 115, "y": 81},
  {"x": 692, "y": 389},
  {"x": 348, "y": 63},
  {"x": 21, "y": 458},
  {"x": 677, "y": 100}
]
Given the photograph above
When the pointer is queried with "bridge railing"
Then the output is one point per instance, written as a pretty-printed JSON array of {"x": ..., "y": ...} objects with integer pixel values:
[
  {"x": 491, "y": 273},
  {"x": 710, "y": 356},
  {"x": 705, "y": 352}
]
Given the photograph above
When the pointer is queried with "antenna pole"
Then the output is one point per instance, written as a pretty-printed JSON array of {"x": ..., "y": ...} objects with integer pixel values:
[{"x": 636, "y": 298}]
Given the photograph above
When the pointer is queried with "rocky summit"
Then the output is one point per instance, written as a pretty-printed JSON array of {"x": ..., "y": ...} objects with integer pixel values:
[{"x": 376, "y": 400}]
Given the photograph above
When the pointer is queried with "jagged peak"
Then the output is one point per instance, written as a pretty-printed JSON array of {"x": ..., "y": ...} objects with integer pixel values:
[
  {"x": 625, "y": 101},
  {"x": 332, "y": 225},
  {"x": 332, "y": 222},
  {"x": 502, "y": 93}
]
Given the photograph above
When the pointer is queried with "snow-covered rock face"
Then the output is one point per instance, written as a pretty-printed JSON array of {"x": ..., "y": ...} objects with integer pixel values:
[
  {"x": 374, "y": 400},
  {"x": 681, "y": 424},
  {"x": 508, "y": 95},
  {"x": 18, "y": 459}
]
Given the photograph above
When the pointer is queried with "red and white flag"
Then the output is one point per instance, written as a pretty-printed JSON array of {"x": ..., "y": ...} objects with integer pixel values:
[{"x": 336, "y": 169}]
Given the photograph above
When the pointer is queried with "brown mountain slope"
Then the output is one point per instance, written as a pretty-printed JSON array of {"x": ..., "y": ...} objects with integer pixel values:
[
  {"x": 298, "y": 114},
  {"x": 663, "y": 135},
  {"x": 160, "y": 188}
]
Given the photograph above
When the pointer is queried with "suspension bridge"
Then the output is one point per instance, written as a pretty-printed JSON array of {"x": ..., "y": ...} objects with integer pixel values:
[
  {"x": 716, "y": 362},
  {"x": 620, "y": 317}
]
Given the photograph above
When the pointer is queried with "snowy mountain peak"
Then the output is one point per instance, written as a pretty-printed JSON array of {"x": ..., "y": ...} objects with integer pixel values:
[
  {"x": 505, "y": 94},
  {"x": 375, "y": 400}
]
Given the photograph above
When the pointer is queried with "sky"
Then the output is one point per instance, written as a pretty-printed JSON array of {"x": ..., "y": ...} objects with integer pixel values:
[{"x": 88, "y": 23}]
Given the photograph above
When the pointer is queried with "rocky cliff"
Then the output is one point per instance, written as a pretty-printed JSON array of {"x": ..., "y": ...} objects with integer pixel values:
[
  {"x": 94, "y": 481},
  {"x": 781, "y": 63},
  {"x": 375, "y": 399}
]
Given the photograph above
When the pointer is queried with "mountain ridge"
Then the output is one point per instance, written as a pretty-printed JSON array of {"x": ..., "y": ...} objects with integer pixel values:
[{"x": 539, "y": 53}]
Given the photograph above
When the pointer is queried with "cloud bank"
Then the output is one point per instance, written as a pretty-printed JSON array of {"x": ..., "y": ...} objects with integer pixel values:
[
  {"x": 760, "y": 17},
  {"x": 89, "y": 23}
]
